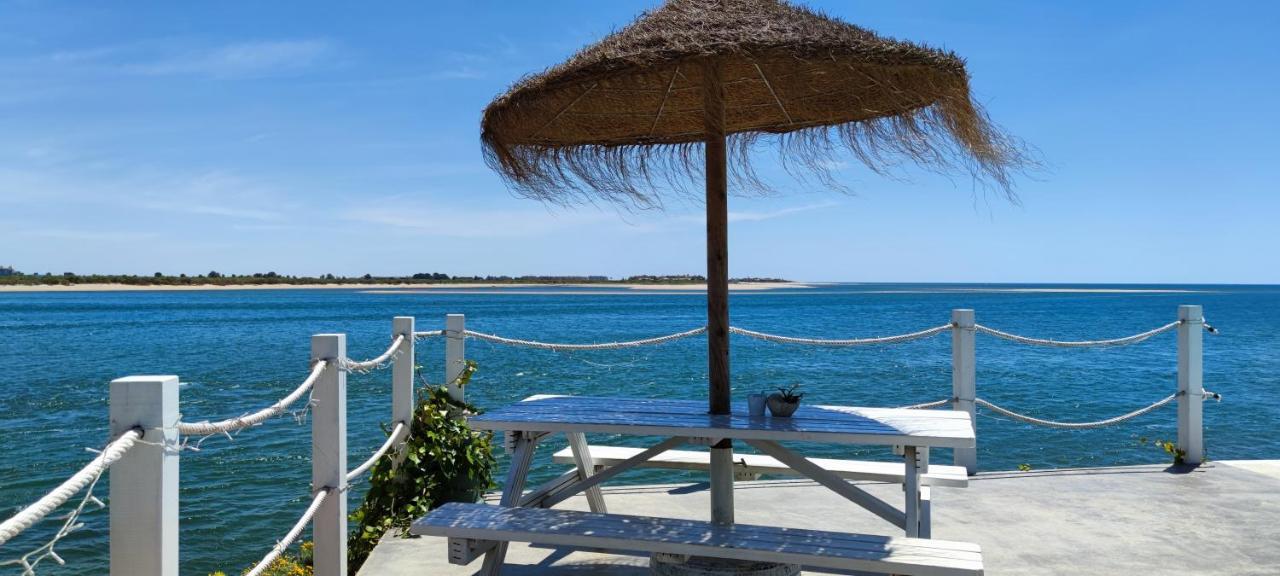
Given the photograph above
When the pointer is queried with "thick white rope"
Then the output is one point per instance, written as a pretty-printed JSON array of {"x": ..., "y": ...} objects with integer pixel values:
[
  {"x": 374, "y": 363},
  {"x": 399, "y": 433},
  {"x": 1079, "y": 343},
  {"x": 844, "y": 342},
  {"x": 927, "y": 405},
  {"x": 428, "y": 334},
  {"x": 1075, "y": 425},
  {"x": 206, "y": 427},
  {"x": 59, "y": 496},
  {"x": 70, "y": 523},
  {"x": 565, "y": 347},
  {"x": 292, "y": 535},
  {"x": 895, "y": 339}
]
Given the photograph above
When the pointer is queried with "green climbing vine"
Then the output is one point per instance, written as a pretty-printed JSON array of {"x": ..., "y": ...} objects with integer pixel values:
[{"x": 442, "y": 461}]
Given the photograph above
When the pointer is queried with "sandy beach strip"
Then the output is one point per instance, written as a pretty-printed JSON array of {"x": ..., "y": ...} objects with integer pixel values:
[{"x": 394, "y": 288}]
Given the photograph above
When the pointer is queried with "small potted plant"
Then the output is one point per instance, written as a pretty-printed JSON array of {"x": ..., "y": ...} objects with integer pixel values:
[{"x": 785, "y": 401}]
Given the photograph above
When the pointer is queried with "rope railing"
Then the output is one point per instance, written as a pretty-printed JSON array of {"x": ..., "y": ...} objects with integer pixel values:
[
  {"x": 373, "y": 363},
  {"x": 1134, "y": 339},
  {"x": 399, "y": 433},
  {"x": 77, "y": 482},
  {"x": 403, "y": 340},
  {"x": 493, "y": 338},
  {"x": 70, "y": 523},
  {"x": 1074, "y": 425},
  {"x": 895, "y": 339},
  {"x": 206, "y": 427},
  {"x": 560, "y": 346},
  {"x": 292, "y": 535},
  {"x": 928, "y": 405},
  {"x": 834, "y": 342}
]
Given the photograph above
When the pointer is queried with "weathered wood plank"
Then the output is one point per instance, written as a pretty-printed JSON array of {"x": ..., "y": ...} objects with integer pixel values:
[
  {"x": 892, "y": 472},
  {"x": 525, "y": 445},
  {"x": 813, "y": 548},
  {"x": 586, "y": 467},
  {"x": 534, "y": 498},
  {"x": 834, "y": 483},
  {"x": 604, "y": 475},
  {"x": 842, "y": 424}
]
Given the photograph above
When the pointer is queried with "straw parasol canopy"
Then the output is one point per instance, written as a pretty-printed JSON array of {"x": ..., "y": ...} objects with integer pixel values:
[
  {"x": 626, "y": 115},
  {"x": 667, "y": 98}
]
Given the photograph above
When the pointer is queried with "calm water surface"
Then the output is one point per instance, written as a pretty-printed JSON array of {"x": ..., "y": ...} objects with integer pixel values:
[{"x": 237, "y": 351}]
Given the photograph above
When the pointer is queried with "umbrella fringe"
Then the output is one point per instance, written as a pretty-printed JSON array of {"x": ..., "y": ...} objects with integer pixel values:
[{"x": 950, "y": 136}]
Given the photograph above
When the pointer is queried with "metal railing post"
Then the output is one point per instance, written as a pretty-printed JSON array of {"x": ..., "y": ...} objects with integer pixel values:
[
  {"x": 329, "y": 454},
  {"x": 144, "y": 482},
  {"x": 455, "y": 354},
  {"x": 1191, "y": 383},
  {"x": 964, "y": 379}
]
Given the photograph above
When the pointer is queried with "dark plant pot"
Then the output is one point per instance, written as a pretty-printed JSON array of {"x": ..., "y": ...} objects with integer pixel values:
[{"x": 780, "y": 408}]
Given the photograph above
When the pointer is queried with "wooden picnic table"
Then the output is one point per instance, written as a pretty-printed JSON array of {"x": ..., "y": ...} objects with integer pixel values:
[{"x": 685, "y": 422}]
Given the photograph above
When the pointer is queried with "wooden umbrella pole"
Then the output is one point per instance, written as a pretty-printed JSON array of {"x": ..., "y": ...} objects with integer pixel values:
[{"x": 718, "y": 288}]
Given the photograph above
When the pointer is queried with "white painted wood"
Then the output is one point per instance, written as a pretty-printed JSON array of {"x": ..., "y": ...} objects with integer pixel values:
[
  {"x": 144, "y": 482},
  {"x": 329, "y": 455},
  {"x": 722, "y": 469},
  {"x": 756, "y": 464},
  {"x": 606, "y": 474},
  {"x": 402, "y": 400},
  {"x": 582, "y": 459},
  {"x": 911, "y": 489},
  {"x": 926, "y": 512},
  {"x": 536, "y": 498},
  {"x": 964, "y": 381},
  {"x": 660, "y": 417},
  {"x": 831, "y": 481},
  {"x": 525, "y": 446},
  {"x": 455, "y": 354},
  {"x": 1191, "y": 383},
  {"x": 463, "y": 551},
  {"x": 816, "y": 549},
  {"x": 926, "y": 506}
]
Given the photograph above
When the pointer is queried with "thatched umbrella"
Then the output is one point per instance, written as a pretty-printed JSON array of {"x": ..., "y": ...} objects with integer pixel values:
[{"x": 625, "y": 118}]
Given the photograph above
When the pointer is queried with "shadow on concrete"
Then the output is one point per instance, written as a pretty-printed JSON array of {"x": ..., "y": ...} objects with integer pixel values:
[{"x": 1103, "y": 471}]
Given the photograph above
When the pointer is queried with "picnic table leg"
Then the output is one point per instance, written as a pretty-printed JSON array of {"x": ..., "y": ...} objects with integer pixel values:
[
  {"x": 926, "y": 512},
  {"x": 911, "y": 485},
  {"x": 520, "y": 460},
  {"x": 586, "y": 467},
  {"x": 926, "y": 497}
]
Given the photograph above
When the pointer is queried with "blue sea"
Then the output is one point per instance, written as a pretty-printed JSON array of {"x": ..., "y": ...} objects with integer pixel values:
[{"x": 237, "y": 351}]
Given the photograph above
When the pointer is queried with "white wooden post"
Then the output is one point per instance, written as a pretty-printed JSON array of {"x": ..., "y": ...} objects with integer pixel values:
[
  {"x": 329, "y": 455},
  {"x": 964, "y": 380},
  {"x": 911, "y": 485},
  {"x": 402, "y": 375},
  {"x": 1191, "y": 383},
  {"x": 144, "y": 482},
  {"x": 721, "y": 478},
  {"x": 455, "y": 354},
  {"x": 402, "y": 372}
]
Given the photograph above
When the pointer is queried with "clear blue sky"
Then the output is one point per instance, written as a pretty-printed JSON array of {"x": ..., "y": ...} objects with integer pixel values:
[{"x": 308, "y": 139}]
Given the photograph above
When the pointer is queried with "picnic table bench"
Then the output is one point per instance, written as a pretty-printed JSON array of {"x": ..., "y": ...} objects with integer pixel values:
[
  {"x": 480, "y": 529},
  {"x": 466, "y": 523}
]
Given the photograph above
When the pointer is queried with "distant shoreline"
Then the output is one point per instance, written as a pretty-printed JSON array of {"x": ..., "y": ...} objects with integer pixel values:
[{"x": 384, "y": 288}]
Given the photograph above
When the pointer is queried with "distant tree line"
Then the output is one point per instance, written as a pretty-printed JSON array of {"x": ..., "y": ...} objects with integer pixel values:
[{"x": 10, "y": 276}]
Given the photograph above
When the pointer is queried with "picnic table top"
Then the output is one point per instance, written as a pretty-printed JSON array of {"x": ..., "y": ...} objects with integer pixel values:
[{"x": 660, "y": 417}]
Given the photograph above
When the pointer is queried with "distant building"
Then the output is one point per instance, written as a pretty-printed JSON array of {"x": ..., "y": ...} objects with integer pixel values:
[{"x": 8, "y": 271}]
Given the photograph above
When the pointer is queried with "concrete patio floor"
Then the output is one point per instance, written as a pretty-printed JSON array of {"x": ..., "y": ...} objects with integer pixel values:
[{"x": 1222, "y": 518}]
